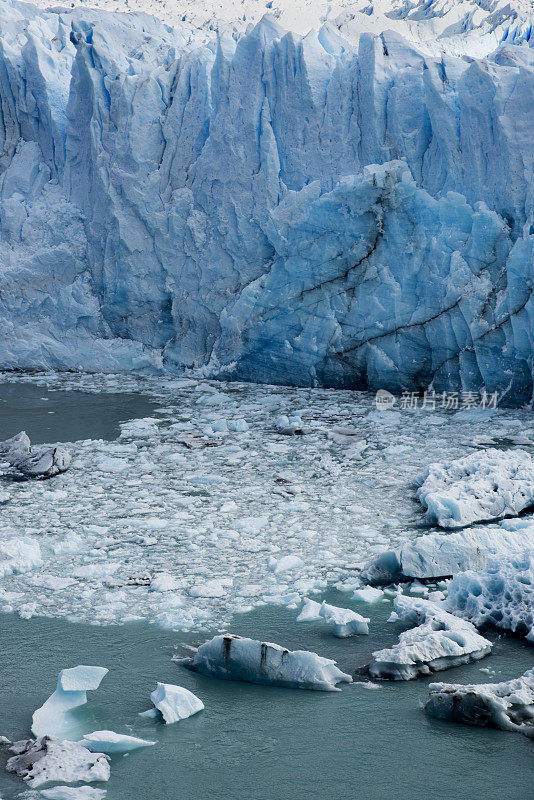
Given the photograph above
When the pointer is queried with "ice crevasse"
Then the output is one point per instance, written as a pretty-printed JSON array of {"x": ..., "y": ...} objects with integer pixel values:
[{"x": 264, "y": 206}]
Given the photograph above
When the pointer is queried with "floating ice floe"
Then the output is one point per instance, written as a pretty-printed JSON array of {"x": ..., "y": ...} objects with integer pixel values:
[
  {"x": 508, "y": 705},
  {"x": 111, "y": 742},
  {"x": 45, "y": 760},
  {"x": 369, "y": 594},
  {"x": 440, "y": 555},
  {"x": 501, "y": 595},
  {"x": 36, "y": 462},
  {"x": 439, "y": 641},
  {"x": 239, "y": 659},
  {"x": 73, "y": 793},
  {"x": 53, "y": 718},
  {"x": 344, "y": 621},
  {"x": 484, "y": 485},
  {"x": 173, "y": 703},
  {"x": 19, "y": 555},
  {"x": 284, "y": 564}
]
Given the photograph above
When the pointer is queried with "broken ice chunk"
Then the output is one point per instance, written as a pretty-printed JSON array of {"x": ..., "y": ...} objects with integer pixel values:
[
  {"x": 508, "y": 705},
  {"x": 73, "y": 793},
  {"x": 439, "y": 641},
  {"x": 37, "y": 462},
  {"x": 173, "y": 703},
  {"x": 44, "y": 760},
  {"x": 368, "y": 594},
  {"x": 344, "y": 621},
  {"x": 53, "y": 718},
  {"x": 111, "y": 742},
  {"x": 484, "y": 485},
  {"x": 234, "y": 658}
]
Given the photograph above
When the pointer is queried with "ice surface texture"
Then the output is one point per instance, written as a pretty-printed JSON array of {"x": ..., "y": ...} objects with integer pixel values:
[
  {"x": 240, "y": 659},
  {"x": 508, "y": 705},
  {"x": 439, "y": 641},
  {"x": 276, "y": 208},
  {"x": 501, "y": 595},
  {"x": 484, "y": 485}
]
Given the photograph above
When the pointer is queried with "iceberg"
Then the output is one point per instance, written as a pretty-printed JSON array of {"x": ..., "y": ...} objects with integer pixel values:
[
  {"x": 265, "y": 205},
  {"x": 37, "y": 462},
  {"x": 439, "y": 641},
  {"x": 501, "y": 595},
  {"x": 508, "y": 705},
  {"x": 54, "y": 718},
  {"x": 110, "y": 742},
  {"x": 44, "y": 760},
  {"x": 343, "y": 621},
  {"x": 442, "y": 555},
  {"x": 173, "y": 703},
  {"x": 482, "y": 486},
  {"x": 234, "y": 658}
]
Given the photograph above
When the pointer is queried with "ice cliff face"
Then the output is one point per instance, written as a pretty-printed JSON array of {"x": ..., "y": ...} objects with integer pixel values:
[{"x": 264, "y": 206}]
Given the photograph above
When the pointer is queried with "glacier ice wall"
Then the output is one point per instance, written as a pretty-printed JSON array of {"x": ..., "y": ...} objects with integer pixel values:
[{"x": 266, "y": 206}]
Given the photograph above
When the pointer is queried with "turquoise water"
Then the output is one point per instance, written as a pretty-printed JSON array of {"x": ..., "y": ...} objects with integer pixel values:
[{"x": 264, "y": 743}]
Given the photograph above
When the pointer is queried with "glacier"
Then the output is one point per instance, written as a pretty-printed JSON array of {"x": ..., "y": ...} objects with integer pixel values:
[{"x": 338, "y": 207}]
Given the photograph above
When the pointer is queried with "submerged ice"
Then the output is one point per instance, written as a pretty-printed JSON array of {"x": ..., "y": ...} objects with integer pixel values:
[{"x": 266, "y": 206}]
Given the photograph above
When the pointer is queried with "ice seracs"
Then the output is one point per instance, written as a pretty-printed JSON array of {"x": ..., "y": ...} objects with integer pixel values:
[
  {"x": 439, "y": 641},
  {"x": 500, "y": 595},
  {"x": 441, "y": 555},
  {"x": 508, "y": 705},
  {"x": 111, "y": 742},
  {"x": 34, "y": 462},
  {"x": 45, "y": 760},
  {"x": 54, "y": 718},
  {"x": 343, "y": 621},
  {"x": 485, "y": 485},
  {"x": 173, "y": 703},
  {"x": 240, "y": 659}
]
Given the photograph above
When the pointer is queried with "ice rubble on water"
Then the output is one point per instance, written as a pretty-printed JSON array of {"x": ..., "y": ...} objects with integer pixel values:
[
  {"x": 441, "y": 555},
  {"x": 501, "y": 595},
  {"x": 481, "y": 486},
  {"x": 340, "y": 228},
  {"x": 110, "y": 742},
  {"x": 54, "y": 718},
  {"x": 343, "y": 621},
  {"x": 19, "y": 555},
  {"x": 439, "y": 641},
  {"x": 508, "y": 705},
  {"x": 173, "y": 703},
  {"x": 45, "y": 760},
  {"x": 241, "y": 659},
  {"x": 34, "y": 462}
]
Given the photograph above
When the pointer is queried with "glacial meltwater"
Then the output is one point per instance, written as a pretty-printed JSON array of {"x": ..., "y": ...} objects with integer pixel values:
[{"x": 204, "y": 489}]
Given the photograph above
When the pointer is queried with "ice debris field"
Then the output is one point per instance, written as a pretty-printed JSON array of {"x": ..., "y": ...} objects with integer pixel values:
[
  {"x": 347, "y": 203},
  {"x": 206, "y": 509}
]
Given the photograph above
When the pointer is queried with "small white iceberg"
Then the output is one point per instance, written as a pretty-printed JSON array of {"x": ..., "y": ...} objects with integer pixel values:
[
  {"x": 53, "y": 718},
  {"x": 344, "y": 621},
  {"x": 369, "y": 594},
  {"x": 111, "y": 742},
  {"x": 239, "y": 659},
  {"x": 508, "y": 705},
  {"x": 173, "y": 703},
  {"x": 47, "y": 760},
  {"x": 439, "y": 641}
]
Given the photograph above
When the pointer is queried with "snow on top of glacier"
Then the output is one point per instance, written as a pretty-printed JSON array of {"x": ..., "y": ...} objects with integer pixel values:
[{"x": 475, "y": 27}]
